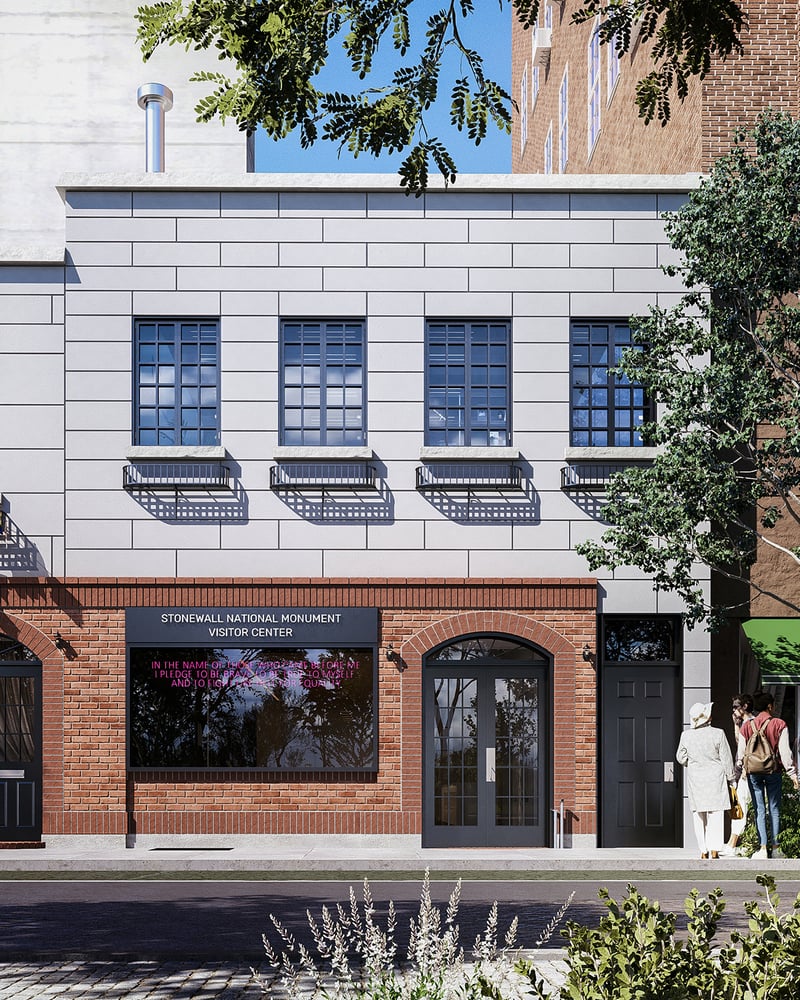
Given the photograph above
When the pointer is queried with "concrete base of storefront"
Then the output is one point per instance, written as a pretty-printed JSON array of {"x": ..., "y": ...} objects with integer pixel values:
[{"x": 351, "y": 854}]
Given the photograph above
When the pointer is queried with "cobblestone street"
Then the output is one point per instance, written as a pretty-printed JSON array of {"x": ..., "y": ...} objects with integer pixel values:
[{"x": 79, "y": 980}]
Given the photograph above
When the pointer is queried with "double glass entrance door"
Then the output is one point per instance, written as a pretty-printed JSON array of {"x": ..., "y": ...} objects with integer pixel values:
[{"x": 485, "y": 753}]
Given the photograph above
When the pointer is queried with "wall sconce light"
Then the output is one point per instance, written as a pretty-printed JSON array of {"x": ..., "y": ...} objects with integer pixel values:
[
  {"x": 60, "y": 642},
  {"x": 394, "y": 657},
  {"x": 587, "y": 653}
]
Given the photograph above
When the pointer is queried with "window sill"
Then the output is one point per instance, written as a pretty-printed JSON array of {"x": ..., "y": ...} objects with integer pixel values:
[
  {"x": 175, "y": 453},
  {"x": 610, "y": 454},
  {"x": 467, "y": 454},
  {"x": 321, "y": 453}
]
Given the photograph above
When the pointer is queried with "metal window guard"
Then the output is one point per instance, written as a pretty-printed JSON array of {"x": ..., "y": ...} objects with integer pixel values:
[
  {"x": 328, "y": 477},
  {"x": 558, "y": 826},
  {"x": 469, "y": 477},
  {"x": 177, "y": 476},
  {"x": 582, "y": 477}
]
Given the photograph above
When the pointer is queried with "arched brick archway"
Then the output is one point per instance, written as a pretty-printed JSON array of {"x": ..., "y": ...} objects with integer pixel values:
[
  {"x": 573, "y": 687},
  {"x": 37, "y": 642},
  {"x": 505, "y": 622},
  {"x": 52, "y": 736}
]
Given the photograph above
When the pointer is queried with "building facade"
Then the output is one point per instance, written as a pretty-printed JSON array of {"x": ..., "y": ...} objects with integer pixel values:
[
  {"x": 292, "y": 474},
  {"x": 575, "y": 98}
]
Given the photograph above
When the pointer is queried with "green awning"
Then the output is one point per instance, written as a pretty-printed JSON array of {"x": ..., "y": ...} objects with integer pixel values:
[{"x": 776, "y": 646}]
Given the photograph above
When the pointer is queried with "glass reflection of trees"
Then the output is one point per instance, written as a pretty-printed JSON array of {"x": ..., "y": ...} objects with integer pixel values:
[
  {"x": 489, "y": 648},
  {"x": 13, "y": 651},
  {"x": 273, "y": 708},
  {"x": 628, "y": 640},
  {"x": 517, "y": 751},
  {"x": 455, "y": 722},
  {"x": 17, "y": 704}
]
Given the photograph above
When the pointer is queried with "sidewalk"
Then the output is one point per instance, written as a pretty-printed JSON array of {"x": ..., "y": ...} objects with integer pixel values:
[{"x": 317, "y": 855}]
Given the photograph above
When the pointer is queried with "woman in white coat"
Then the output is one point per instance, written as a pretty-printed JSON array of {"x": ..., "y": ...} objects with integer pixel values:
[{"x": 704, "y": 752}]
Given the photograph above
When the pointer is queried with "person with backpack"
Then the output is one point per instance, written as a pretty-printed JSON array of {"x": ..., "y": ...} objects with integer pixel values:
[
  {"x": 706, "y": 754},
  {"x": 763, "y": 754},
  {"x": 741, "y": 710}
]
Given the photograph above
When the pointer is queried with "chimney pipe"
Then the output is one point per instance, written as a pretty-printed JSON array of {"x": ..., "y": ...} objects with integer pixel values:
[{"x": 156, "y": 99}]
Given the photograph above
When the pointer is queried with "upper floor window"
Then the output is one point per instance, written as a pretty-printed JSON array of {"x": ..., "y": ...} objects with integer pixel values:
[
  {"x": 613, "y": 65},
  {"x": 176, "y": 373},
  {"x": 467, "y": 384},
  {"x": 523, "y": 109},
  {"x": 607, "y": 410},
  {"x": 323, "y": 382},
  {"x": 548, "y": 151},
  {"x": 534, "y": 85},
  {"x": 593, "y": 92},
  {"x": 563, "y": 122}
]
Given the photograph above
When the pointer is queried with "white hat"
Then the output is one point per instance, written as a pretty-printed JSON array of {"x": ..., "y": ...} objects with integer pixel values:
[{"x": 700, "y": 714}]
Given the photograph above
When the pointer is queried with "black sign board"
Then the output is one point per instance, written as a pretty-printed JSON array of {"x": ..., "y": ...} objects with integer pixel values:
[{"x": 251, "y": 626}]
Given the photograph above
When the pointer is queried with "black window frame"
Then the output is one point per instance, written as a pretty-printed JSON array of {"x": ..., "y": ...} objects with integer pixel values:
[
  {"x": 639, "y": 413},
  {"x": 326, "y": 433},
  {"x": 434, "y": 328},
  {"x": 212, "y": 436}
]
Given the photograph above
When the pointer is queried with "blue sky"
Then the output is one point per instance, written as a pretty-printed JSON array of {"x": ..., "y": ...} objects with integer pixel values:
[{"x": 488, "y": 31}]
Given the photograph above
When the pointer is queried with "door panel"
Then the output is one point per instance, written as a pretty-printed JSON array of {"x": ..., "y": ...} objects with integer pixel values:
[
  {"x": 20, "y": 753},
  {"x": 640, "y": 796},
  {"x": 485, "y": 760}
]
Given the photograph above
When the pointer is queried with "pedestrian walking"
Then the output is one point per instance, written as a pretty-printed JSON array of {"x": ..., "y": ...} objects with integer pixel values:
[
  {"x": 742, "y": 711},
  {"x": 704, "y": 751},
  {"x": 765, "y": 779}
]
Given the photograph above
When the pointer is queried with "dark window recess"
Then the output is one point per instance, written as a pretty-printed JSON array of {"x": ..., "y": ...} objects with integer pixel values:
[
  {"x": 606, "y": 410},
  {"x": 467, "y": 384},
  {"x": 640, "y": 640},
  {"x": 281, "y": 709},
  {"x": 176, "y": 383}
]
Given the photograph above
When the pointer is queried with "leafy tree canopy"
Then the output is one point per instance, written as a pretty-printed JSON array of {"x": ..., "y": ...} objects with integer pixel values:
[
  {"x": 724, "y": 368},
  {"x": 278, "y": 48}
]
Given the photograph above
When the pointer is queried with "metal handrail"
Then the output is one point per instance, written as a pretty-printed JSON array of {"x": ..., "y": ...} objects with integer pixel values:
[
  {"x": 172, "y": 475},
  {"x": 327, "y": 476},
  {"x": 469, "y": 476}
]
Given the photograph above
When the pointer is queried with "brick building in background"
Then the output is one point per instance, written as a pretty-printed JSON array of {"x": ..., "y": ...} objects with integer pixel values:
[
  {"x": 576, "y": 114},
  {"x": 581, "y": 95}
]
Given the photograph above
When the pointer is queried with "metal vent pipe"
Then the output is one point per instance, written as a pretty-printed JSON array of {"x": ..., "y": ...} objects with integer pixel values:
[{"x": 156, "y": 99}]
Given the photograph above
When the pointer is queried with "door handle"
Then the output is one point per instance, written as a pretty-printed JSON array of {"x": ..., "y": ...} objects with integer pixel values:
[
  {"x": 12, "y": 774},
  {"x": 669, "y": 770},
  {"x": 490, "y": 763}
]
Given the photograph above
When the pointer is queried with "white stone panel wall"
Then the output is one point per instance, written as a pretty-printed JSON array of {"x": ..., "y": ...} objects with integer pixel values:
[{"x": 256, "y": 251}]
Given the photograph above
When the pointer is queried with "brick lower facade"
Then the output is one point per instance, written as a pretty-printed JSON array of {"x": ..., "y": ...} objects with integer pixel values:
[{"x": 87, "y": 789}]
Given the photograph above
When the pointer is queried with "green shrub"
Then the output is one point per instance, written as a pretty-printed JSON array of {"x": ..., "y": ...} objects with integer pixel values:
[{"x": 635, "y": 955}]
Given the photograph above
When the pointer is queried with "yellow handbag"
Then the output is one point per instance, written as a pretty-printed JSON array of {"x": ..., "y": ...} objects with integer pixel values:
[{"x": 736, "y": 806}]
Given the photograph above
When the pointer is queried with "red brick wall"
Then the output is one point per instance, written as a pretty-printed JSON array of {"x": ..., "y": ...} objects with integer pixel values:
[
  {"x": 87, "y": 789},
  {"x": 700, "y": 128}
]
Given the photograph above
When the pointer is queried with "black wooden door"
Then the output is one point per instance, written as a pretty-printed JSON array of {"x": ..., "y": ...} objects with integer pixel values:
[
  {"x": 640, "y": 786},
  {"x": 20, "y": 752}
]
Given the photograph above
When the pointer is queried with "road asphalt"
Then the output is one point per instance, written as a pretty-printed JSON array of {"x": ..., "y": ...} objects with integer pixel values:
[{"x": 114, "y": 978}]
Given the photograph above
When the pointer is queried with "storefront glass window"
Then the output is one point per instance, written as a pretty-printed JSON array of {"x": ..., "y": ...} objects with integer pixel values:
[{"x": 273, "y": 708}]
